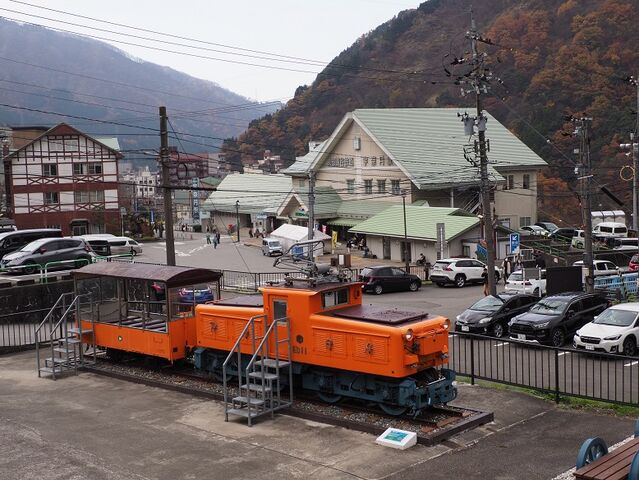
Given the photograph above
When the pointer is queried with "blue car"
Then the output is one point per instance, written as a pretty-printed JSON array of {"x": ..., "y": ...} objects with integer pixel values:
[{"x": 204, "y": 295}]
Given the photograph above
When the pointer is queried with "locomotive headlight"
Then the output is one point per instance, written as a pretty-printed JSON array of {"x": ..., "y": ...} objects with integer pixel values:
[
  {"x": 446, "y": 324},
  {"x": 408, "y": 336}
]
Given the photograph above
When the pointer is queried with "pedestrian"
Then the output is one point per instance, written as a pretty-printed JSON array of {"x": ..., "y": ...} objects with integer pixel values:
[
  {"x": 218, "y": 237},
  {"x": 507, "y": 269},
  {"x": 540, "y": 261},
  {"x": 257, "y": 232},
  {"x": 485, "y": 282},
  {"x": 208, "y": 238},
  {"x": 250, "y": 232},
  {"x": 215, "y": 241}
]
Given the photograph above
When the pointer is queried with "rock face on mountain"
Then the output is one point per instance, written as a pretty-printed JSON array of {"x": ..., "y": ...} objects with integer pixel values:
[
  {"x": 42, "y": 70},
  {"x": 554, "y": 57}
]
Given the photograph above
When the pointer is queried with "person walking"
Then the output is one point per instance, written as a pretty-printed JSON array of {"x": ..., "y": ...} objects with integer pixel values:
[
  {"x": 508, "y": 268},
  {"x": 215, "y": 241},
  {"x": 208, "y": 238},
  {"x": 218, "y": 238},
  {"x": 485, "y": 282}
]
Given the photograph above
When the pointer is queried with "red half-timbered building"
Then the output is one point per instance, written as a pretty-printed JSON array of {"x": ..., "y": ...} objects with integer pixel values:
[{"x": 64, "y": 179}]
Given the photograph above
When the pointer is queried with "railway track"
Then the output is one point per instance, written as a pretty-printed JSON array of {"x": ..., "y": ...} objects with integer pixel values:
[{"x": 433, "y": 426}]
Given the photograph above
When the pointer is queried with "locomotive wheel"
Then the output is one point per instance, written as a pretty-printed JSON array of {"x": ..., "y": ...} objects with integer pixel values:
[
  {"x": 329, "y": 397},
  {"x": 393, "y": 410}
]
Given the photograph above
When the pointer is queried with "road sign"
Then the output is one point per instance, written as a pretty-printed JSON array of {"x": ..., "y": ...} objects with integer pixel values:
[
  {"x": 514, "y": 243},
  {"x": 440, "y": 244}
]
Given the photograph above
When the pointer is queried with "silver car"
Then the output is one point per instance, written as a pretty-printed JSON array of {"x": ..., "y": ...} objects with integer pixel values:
[{"x": 49, "y": 253}]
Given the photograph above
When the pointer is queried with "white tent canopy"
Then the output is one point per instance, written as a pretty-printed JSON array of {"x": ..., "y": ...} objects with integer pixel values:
[{"x": 289, "y": 234}]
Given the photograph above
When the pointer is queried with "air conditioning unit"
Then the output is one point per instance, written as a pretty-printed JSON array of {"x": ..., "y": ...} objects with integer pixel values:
[{"x": 357, "y": 143}]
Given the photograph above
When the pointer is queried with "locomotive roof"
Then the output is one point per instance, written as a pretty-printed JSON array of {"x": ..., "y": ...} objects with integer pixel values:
[
  {"x": 242, "y": 301},
  {"x": 380, "y": 314},
  {"x": 301, "y": 284},
  {"x": 171, "y": 276}
]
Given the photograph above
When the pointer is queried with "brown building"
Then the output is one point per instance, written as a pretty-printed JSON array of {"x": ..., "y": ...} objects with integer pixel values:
[{"x": 64, "y": 179}]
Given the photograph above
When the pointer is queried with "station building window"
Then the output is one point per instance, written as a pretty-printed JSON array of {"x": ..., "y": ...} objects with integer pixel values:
[
  {"x": 526, "y": 182},
  {"x": 50, "y": 170},
  {"x": 350, "y": 185},
  {"x": 524, "y": 222},
  {"x": 395, "y": 187},
  {"x": 381, "y": 186},
  {"x": 368, "y": 187}
]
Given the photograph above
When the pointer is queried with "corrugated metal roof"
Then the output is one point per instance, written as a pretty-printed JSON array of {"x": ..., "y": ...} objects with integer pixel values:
[
  {"x": 327, "y": 201},
  {"x": 427, "y": 143},
  {"x": 111, "y": 142},
  {"x": 343, "y": 222},
  {"x": 172, "y": 276},
  {"x": 256, "y": 193},
  {"x": 362, "y": 208},
  {"x": 421, "y": 222}
]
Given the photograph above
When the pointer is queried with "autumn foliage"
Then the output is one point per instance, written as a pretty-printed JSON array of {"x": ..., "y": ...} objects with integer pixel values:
[{"x": 554, "y": 58}]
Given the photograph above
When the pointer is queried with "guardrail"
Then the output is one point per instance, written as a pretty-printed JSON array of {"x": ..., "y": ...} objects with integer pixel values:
[
  {"x": 17, "y": 329},
  {"x": 118, "y": 258},
  {"x": 44, "y": 274},
  {"x": 618, "y": 287},
  {"x": 557, "y": 371}
]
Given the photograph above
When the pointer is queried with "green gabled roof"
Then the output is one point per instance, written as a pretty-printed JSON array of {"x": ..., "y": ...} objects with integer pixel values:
[
  {"x": 256, "y": 193},
  {"x": 362, "y": 209},
  {"x": 421, "y": 222},
  {"x": 428, "y": 145},
  {"x": 327, "y": 200}
]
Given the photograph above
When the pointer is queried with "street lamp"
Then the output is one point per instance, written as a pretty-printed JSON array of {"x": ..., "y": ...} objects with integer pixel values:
[
  {"x": 237, "y": 218},
  {"x": 406, "y": 260}
]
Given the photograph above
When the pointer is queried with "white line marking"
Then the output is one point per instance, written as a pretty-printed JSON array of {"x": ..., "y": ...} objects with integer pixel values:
[
  {"x": 563, "y": 353},
  {"x": 630, "y": 364}
]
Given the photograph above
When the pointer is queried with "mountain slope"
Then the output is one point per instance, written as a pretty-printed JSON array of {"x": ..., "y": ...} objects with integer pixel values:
[
  {"x": 555, "y": 58},
  {"x": 100, "y": 87}
]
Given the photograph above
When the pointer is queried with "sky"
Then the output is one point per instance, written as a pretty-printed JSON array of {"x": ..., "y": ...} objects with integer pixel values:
[{"x": 314, "y": 32}]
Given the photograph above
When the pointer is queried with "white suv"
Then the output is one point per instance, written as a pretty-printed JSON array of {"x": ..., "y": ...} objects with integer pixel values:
[
  {"x": 517, "y": 283},
  {"x": 459, "y": 271},
  {"x": 615, "y": 330}
]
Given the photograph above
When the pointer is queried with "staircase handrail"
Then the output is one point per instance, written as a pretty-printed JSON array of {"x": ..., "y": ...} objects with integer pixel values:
[
  {"x": 250, "y": 323},
  {"x": 46, "y": 318},
  {"x": 66, "y": 312}
]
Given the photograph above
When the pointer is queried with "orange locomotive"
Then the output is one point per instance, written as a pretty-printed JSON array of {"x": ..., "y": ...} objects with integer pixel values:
[{"x": 339, "y": 347}]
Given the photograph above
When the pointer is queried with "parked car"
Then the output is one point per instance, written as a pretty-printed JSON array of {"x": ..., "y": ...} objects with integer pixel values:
[
  {"x": 491, "y": 314},
  {"x": 121, "y": 245},
  {"x": 610, "y": 229},
  {"x": 388, "y": 279},
  {"x": 578, "y": 239},
  {"x": 601, "y": 267},
  {"x": 534, "y": 230},
  {"x": 459, "y": 271},
  {"x": 16, "y": 239},
  {"x": 616, "y": 330},
  {"x": 622, "y": 243},
  {"x": 633, "y": 266},
  {"x": 563, "y": 234},
  {"x": 516, "y": 283},
  {"x": 548, "y": 226},
  {"x": 46, "y": 251},
  {"x": 271, "y": 246},
  {"x": 555, "y": 318},
  {"x": 196, "y": 295}
]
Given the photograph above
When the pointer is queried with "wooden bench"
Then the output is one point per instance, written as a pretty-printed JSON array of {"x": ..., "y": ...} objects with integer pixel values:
[{"x": 612, "y": 466}]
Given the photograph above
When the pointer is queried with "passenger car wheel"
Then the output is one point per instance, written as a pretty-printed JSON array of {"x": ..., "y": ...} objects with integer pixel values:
[
  {"x": 413, "y": 287},
  {"x": 536, "y": 292},
  {"x": 29, "y": 268},
  {"x": 557, "y": 337},
  {"x": 630, "y": 346},
  {"x": 460, "y": 280},
  {"x": 499, "y": 330},
  {"x": 378, "y": 289}
]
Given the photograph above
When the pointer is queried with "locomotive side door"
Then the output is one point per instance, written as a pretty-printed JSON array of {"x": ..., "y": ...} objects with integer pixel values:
[{"x": 279, "y": 310}]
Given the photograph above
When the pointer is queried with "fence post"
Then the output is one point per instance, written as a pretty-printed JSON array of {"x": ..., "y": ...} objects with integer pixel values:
[
  {"x": 472, "y": 360},
  {"x": 556, "y": 375}
]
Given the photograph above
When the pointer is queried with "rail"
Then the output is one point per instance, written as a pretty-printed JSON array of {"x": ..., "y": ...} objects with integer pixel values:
[
  {"x": 556, "y": 371},
  {"x": 44, "y": 272}
]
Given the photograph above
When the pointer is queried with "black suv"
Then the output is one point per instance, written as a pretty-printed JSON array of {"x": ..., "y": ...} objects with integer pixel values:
[
  {"x": 491, "y": 314},
  {"x": 556, "y": 318},
  {"x": 388, "y": 279}
]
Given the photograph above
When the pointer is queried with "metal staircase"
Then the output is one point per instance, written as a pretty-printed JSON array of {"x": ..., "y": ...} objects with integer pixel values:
[
  {"x": 260, "y": 379},
  {"x": 60, "y": 334}
]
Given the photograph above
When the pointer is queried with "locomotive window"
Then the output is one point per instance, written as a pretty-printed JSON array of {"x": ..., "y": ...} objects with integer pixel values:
[{"x": 335, "y": 297}]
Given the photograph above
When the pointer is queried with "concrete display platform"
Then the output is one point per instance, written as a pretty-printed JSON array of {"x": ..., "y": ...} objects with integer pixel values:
[{"x": 92, "y": 427}]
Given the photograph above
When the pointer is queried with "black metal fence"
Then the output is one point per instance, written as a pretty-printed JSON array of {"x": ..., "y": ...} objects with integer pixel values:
[
  {"x": 17, "y": 330},
  {"x": 558, "y": 371}
]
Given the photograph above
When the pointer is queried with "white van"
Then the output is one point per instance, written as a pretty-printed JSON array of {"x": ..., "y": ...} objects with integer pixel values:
[
  {"x": 610, "y": 229},
  {"x": 120, "y": 245},
  {"x": 578, "y": 240},
  {"x": 271, "y": 246}
]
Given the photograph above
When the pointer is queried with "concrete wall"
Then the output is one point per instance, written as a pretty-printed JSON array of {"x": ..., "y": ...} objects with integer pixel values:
[
  {"x": 513, "y": 204},
  {"x": 375, "y": 244}
]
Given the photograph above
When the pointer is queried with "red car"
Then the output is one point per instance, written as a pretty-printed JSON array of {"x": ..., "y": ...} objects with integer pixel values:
[{"x": 634, "y": 263}]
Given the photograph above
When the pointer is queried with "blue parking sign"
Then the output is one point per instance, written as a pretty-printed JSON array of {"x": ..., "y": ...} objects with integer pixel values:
[{"x": 514, "y": 243}]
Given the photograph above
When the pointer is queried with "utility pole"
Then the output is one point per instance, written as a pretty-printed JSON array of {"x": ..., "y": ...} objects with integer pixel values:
[
  {"x": 479, "y": 78},
  {"x": 311, "y": 205},
  {"x": 406, "y": 259},
  {"x": 237, "y": 219},
  {"x": 166, "y": 185},
  {"x": 585, "y": 178},
  {"x": 634, "y": 146}
]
